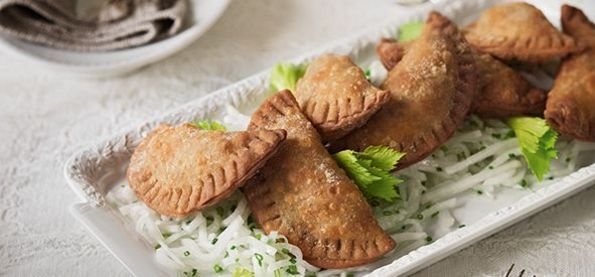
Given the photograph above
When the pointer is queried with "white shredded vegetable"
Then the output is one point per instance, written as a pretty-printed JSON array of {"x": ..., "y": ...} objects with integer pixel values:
[
  {"x": 481, "y": 156},
  {"x": 377, "y": 73},
  {"x": 224, "y": 241},
  {"x": 219, "y": 240}
]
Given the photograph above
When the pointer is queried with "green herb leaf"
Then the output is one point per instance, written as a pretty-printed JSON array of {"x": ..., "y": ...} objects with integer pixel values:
[
  {"x": 383, "y": 157},
  {"x": 348, "y": 160},
  {"x": 285, "y": 76},
  {"x": 385, "y": 187},
  {"x": 410, "y": 31},
  {"x": 209, "y": 125},
  {"x": 537, "y": 141},
  {"x": 370, "y": 170}
]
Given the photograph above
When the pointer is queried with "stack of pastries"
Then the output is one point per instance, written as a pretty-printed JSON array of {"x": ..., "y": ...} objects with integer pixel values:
[{"x": 282, "y": 162}]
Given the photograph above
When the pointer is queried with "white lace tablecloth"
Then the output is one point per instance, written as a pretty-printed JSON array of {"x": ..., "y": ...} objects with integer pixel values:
[{"x": 45, "y": 117}]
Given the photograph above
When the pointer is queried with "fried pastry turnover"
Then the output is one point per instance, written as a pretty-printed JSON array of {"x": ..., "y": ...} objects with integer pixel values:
[
  {"x": 519, "y": 31},
  {"x": 336, "y": 96},
  {"x": 303, "y": 194},
  {"x": 502, "y": 91},
  {"x": 570, "y": 106},
  {"x": 431, "y": 92},
  {"x": 178, "y": 170}
]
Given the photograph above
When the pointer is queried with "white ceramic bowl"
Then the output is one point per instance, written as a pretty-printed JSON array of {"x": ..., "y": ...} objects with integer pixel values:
[{"x": 105, "y": 64}]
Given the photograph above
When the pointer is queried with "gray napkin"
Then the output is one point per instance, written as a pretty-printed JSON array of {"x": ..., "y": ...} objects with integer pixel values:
[{"x": 85, "y": 25}]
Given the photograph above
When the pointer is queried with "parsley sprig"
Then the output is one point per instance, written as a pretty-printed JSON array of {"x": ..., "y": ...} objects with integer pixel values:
[{"x": 370, "y": 170}]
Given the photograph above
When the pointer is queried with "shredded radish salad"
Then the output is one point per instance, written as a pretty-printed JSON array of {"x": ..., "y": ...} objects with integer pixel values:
[{"x": 225, "y": 241}]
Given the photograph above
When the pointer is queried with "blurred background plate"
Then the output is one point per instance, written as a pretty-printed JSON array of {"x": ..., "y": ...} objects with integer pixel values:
[{"x": 203, "y": 14}]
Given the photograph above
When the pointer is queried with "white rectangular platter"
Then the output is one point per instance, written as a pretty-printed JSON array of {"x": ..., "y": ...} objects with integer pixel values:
[{"x": 93, "y": 171}]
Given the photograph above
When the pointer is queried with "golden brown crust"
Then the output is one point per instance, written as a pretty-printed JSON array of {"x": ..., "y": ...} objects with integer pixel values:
[
  {"x": 571, "y": 102},
  {"x": 576, "y": 24},
  {"x": 519, "y": 31},
  {"x": 391, "y": 52},
  {"x": 431, "y": 92},
  {"x": 178, "y": 170},
  {"x": 336, "y": 96},
  {"x": 304, "y": 195},
  {"x": 503, "y": 92}
]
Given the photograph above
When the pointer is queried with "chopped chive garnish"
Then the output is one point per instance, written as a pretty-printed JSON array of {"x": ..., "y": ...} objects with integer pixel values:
[
  {"x": 292, "y": 269},
  {"x": 258, "y": 236},
  {"x": 191, "y": 273},
  {"x": 444, "y": 148},
  {"x": 186, "y": 253},
  {"x": 157, "y": 246},
  {"x": 420, "y": 216},
  {"x": 490, "y": 167},
  {"x": 214, "y": 241},
  {"x": 233, "y": 247},
  {"x": 524, "y": 183},
  {"x": 259, "y": 258},
  {"x": 217, "y": 268},
  {"x": 292, "y": 260},
  {"x": 509, "y": 134},
  {"x": 550, "y": 178},
  {"x": 462, "y": 225},
  {"x": 496, "y": 135},
  {"x": 281, "y": 240},
  {"x": 285, "y": 251},
  {"x": 220, "y": 211},
  {"x": 428, "y": 239},
  {"x": 435, "y": 214},
  {"x": 480, "y": 192},
  {"x": 166, "y": 235},
  {"x": 512, "y": 155},
  {"x": 567, "y": 160},
  {"x": 439, "y": 169},
  {"x": 387, "y": 213}
]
